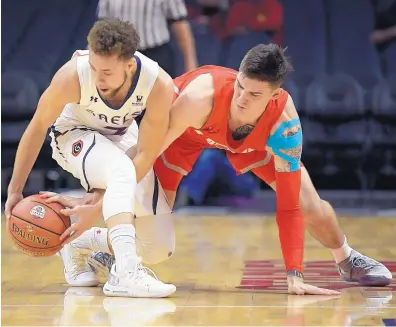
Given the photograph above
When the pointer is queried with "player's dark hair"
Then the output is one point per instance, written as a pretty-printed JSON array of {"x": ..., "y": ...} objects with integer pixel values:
[
  {"x": 266, "y": 63},
  {"x": 110, "y": 37}
]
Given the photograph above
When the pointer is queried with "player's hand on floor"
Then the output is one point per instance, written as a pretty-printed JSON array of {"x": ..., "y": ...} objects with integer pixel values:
[
  {"x": 86, "y": 217},
  {"x": 297, "y": 286}
]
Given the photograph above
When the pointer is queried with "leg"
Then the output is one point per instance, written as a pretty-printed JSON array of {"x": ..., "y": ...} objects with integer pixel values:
[
  {"x": 155, "y": 235},
  {"x": 116, "y": 174},
  {"x": 322, "y": 224},
  {"x": 153, "y": 244},
  {"x": 155, "y": 198}
]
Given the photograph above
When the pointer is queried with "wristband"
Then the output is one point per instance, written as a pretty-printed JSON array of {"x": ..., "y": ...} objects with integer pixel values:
[{"x": 295, "y": 273}]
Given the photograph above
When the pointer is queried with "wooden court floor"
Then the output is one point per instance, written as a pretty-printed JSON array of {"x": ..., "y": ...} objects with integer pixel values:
[{"x": 228, "y": 273}]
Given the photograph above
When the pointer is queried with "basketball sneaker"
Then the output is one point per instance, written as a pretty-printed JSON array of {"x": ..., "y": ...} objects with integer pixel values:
[
  {"x": 76, "y": 269},
  {"x": 364, "y": 270},
  {"x": 136, "y": 283}
]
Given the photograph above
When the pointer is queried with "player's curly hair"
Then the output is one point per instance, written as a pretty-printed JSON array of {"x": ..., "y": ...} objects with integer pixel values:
[
  {"x": 110, "y": 37},
  {"x": 266, "y": 63}
]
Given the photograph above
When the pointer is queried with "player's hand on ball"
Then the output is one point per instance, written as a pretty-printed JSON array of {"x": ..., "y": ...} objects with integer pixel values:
[
  {"x": 297, "y": 286},
  {"x": 12, "y": 201},
  {"x": 87, "y": 216},
  {"x": 66, "y": 201}
]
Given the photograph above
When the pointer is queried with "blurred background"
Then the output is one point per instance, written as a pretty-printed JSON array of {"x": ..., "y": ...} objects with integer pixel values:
[{"x": 344, "y": 85}]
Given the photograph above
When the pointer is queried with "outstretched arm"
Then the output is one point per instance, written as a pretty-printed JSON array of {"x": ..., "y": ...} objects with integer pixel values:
[
  {"x": 64, "y": 88},
  {"x": 285, "y": 143}
]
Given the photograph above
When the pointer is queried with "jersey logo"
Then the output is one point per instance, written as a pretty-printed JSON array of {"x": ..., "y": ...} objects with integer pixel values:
[
  {"x": 94, "y": 99},
  {"x": 139, "y": 101},
  {"x": 77, "y": 147}
]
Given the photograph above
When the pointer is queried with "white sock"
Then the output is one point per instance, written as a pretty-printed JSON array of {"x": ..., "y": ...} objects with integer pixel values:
[
  {"x": 341, "y": 253},
  {"x": 94, "y": 239},
  {"x": 122, "y": 239}
]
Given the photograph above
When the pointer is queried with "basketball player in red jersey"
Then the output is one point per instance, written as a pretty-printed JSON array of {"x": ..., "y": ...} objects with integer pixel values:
[{"x": 248, "y": 115}]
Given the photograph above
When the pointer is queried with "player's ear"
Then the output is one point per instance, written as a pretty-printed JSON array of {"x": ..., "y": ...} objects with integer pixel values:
[
  {"x": 131, "y": 64},
  {"x": 276, "y": 91}
]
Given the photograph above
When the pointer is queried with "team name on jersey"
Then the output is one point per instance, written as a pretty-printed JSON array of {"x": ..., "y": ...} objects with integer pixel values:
[{"x": 116, "y": 120}]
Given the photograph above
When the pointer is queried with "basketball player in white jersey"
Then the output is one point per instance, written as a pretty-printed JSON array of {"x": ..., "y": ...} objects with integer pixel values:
[{"x": 93, "y": 100}]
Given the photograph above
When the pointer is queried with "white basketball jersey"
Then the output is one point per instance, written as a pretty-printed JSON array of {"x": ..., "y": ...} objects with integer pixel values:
[{"x": 94, "y": 113}]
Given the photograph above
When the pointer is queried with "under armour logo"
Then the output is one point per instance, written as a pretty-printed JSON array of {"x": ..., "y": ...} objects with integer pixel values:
[
  {"x": 94, "y": 99},
  {"x": 139, "y": 98}
]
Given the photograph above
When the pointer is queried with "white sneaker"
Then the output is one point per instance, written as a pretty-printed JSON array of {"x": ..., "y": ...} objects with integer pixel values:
[
  {"x": 136, "y": 283},
  {"x": 76, "y": 269}
]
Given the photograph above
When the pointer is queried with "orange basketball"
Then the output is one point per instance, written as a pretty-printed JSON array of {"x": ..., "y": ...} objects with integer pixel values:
[{"x": 35, "y": 226}]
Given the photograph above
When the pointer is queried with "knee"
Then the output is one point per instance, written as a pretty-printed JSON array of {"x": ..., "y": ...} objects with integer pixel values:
[{"x": 122, "y": 171}]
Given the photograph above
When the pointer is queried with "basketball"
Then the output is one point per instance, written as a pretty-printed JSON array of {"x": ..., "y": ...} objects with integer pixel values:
[{"x": 35, "y": 226}]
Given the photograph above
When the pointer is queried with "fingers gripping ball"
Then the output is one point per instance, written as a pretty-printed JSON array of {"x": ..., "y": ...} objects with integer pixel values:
[{"x": 35, "y": 226}]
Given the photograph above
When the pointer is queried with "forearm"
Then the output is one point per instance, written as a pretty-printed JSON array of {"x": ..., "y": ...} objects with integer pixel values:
[
  {"x": 27, "y": 152},
  {"x": 290, "y": 219},
  {"x": 151, "y": 138}
]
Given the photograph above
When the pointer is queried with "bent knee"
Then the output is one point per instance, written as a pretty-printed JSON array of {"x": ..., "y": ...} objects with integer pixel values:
[{"x": 123, "y": 170}]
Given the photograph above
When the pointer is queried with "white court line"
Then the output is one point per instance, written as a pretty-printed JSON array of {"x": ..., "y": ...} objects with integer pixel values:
[{"x": 214, "y": 306}]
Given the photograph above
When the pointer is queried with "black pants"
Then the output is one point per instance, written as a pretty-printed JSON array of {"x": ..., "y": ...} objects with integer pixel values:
[{"x": 163, "y": 55}]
